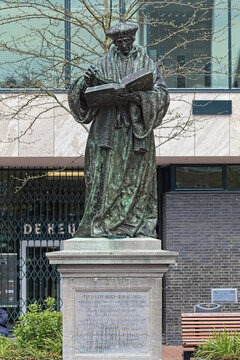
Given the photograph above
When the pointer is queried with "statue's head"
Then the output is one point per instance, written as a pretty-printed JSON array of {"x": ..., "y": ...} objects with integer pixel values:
[{"x": 123, "y": 36}]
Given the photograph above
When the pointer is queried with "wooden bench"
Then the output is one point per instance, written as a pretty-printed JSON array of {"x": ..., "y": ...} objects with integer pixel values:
[{"x": 197, "y": 327}]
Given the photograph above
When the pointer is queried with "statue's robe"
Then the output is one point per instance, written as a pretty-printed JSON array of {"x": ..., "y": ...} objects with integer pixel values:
[{"x": 120, "y": 164}]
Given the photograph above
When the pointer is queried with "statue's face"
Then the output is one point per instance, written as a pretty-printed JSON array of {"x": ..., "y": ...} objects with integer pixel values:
[{"x": 124, "y": 45}]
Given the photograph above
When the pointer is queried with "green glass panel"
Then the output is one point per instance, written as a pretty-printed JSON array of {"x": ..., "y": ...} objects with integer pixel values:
[
  {"x": 235, "y": 45},
  {"x": 198, "y": 177},
  {"x": 32, "y": 47},
  {"x": 87, "y": 41},
  {"x": 189, "y": 39},
  {"x": 233, "y": 177}
]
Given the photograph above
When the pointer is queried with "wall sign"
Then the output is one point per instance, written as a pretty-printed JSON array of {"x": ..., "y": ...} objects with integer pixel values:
[
  {"x": 49, "y": 228},
  {"x": 212, "y": 107},
  {"x": 224, "y": 295}
]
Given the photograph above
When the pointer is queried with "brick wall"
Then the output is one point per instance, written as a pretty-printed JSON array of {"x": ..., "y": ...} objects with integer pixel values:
[{"x": 204, "y": 228}]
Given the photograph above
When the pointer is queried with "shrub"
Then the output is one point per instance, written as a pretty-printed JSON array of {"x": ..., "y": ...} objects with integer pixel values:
[
  {"x": 40, "y": 329},
  {"x": 38, "y": 335},
  {"x": 224, "y": 345}
]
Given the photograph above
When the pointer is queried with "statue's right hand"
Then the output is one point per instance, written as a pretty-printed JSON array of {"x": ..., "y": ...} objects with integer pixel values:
[{"x": 89, "y": 76}]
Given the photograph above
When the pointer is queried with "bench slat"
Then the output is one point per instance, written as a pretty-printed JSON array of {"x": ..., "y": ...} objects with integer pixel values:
[
  {"x": 211, "y": 328},
  {"x": 191, "y": 345},
  {"x": 211, "y": 319},
  {"x": 201, "y": 334},
  {"x": 206, "y": 324},
  {"x": 211, "y": 314}
]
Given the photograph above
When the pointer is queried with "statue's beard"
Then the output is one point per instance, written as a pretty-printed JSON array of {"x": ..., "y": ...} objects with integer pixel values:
[{"x": 126, "y": 51}]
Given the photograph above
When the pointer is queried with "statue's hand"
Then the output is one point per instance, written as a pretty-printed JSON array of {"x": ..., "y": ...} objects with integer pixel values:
[
  {"x": 89, "y": 76},
  {"x": 132, "y": 97}
]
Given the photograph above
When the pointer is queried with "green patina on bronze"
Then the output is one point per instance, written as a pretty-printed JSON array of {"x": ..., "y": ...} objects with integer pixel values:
[{"x": 120, "y": 164}]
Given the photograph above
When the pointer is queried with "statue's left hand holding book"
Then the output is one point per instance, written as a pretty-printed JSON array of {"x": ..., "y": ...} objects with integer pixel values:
[{"x": 105, "y": 95}]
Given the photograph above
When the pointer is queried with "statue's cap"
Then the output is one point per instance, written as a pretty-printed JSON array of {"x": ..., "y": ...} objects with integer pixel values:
[{"x": 121, "y": 30}]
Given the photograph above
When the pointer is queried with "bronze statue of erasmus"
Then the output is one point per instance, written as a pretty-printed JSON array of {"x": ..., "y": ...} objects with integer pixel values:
[{"x": 120, "y": 164}]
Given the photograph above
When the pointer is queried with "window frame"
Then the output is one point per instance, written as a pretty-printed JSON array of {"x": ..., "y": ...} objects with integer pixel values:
[{"x": 224, "y": 186}]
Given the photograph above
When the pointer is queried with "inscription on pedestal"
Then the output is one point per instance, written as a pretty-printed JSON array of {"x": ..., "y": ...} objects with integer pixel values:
[{"x": 112, "y": 322}]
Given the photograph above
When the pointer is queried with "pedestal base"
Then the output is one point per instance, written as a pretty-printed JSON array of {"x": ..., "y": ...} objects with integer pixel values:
[{"x": 112, "y": 297}]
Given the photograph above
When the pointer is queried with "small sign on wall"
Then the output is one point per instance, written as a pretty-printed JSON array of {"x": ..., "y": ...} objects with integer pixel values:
[{"x": 224, "y": 295}]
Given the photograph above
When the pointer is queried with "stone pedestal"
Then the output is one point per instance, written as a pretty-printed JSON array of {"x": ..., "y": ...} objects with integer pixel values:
[{"x": 112, "y": 297}]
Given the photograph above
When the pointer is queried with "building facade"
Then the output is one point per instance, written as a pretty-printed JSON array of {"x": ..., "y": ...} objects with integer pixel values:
[{"x": 197, "y": 149}]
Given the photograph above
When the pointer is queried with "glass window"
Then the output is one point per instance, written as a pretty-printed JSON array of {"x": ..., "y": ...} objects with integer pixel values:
[
  {"x": 235, "y": 46},
  {"x": 198, "y": 177},
  {"x": 87, "y": 34},
  {"x": 32, "y": 46},
  {"x": 233, "y": 177},
  {"x": 190, "y": 41}
]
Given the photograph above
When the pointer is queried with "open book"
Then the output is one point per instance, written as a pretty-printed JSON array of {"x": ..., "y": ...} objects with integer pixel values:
[{"x": 104, "y": 95}]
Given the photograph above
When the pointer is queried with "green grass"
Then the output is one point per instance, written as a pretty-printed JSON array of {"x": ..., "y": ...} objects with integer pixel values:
[
  {"x": 10, "y": 350},
  {"x": 224, "y": 345}
]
